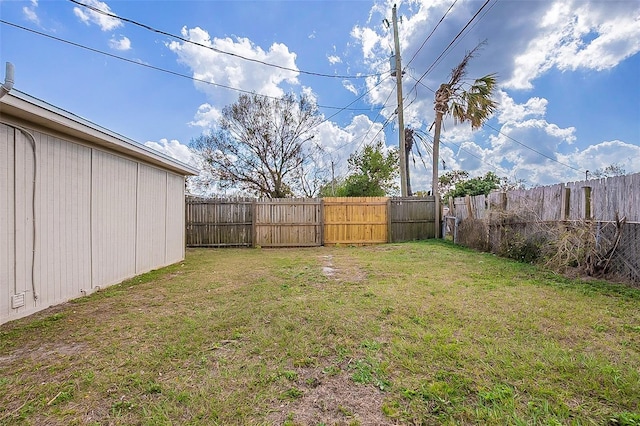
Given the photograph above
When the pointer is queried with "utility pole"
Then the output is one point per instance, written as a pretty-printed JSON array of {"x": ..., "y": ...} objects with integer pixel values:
[{"x": 398, "y": 72}]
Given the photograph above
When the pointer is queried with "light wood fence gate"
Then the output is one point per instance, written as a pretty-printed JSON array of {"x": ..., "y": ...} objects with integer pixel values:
[
  {"x": 288, "y": 222},
  {"x": 362, "y": 220}
]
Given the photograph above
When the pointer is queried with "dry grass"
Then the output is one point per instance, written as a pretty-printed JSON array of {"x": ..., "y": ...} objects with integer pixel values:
[{"x": 417, "y": 333}]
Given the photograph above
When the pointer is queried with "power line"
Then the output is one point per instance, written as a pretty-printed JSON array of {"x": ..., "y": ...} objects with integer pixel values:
[
  {"x": 465, "y": 34},
  {"x": 376, "y": 118},
  {"x": 451, "y": 43},
  {"x": 430, "y": 34},
  {"x": 177, "y": 74},
  {"x": 346, "y": 108},
  {"x": 150, "y": 28},
  {"x": 534, "y": 150}
]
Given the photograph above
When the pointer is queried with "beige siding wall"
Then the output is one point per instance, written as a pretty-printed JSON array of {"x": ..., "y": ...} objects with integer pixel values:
[
  {"x": 63, "y": 206},
  {"x": 7, "y": 271},
  {"x": 175, "y": 218},
  {"x": 113, "y": 230},
  {"x": 100, "y": 218},
  {"x": 152, "y": 213}
]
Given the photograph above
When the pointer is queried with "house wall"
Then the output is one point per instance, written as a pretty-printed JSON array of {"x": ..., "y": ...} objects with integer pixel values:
[{"x": 100, "y": 218}]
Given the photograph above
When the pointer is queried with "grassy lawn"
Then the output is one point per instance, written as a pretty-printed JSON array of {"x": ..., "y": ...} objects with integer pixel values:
[{"x": 416, "y": 333}]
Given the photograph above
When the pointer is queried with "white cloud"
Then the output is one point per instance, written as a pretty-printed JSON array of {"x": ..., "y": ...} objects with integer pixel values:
[
  {"x": 88, "y": 16},
  {"x": 334, "y": 59},
  {"x": 350, "y": 87},
  {"x": 578, "y": 35},
  {"x": 122, "y": 44},
  {"x": 509, "y": 111},
  {"x": 30, "y": 12},
  {"x": 173, "y": 149},
  {"x": 206, "y": 116},
  {"x": 604, "y": 154},
  {"x": 340, "y": 142},
  {"x": 310, "y": 94},
  {"x": 369, "y": 39},
  {"x": 228, "y": 70}
]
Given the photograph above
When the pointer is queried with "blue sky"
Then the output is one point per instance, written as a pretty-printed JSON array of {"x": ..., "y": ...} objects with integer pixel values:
[{"x": 568, "y": 73}]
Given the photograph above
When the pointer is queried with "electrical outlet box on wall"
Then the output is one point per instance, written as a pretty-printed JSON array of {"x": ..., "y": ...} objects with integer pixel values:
[{"x": 17, "y": 301}]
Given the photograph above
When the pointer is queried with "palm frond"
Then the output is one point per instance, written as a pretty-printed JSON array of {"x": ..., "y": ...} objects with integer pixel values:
[{"x": 458, "y": 73}]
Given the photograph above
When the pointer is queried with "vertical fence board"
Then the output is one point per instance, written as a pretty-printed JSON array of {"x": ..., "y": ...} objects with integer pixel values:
[
  {"x": 219, "y": 222},
  {"x": 288, "y": 222},
  {"x": 411, "y": 218}
]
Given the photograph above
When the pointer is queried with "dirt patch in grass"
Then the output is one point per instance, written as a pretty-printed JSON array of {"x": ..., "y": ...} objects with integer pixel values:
[
  {"x": 342, "y": 268},
  {"x": 332, "y": 400}
]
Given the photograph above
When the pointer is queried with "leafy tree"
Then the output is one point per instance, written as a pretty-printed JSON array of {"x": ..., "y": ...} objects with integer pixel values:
[
  {"x": 474, "y": 105},
  {"x": 482, "y": 185},
  {"x": 449, "y": 180},
  {"x": 457, "y": 183},
  {"x": 263, "y": 146},
  {"x": 372, "y": 173},
  {"x": 613, "y": 169}
]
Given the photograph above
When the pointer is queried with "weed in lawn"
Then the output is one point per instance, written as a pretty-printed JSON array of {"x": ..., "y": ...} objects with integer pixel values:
[
  {"x": 290, "y": 375},
  {"x": 291, "y": 394},
  {"x": 370, "y": 371},
  {"x": 120, "y": 408},
  {"x": 625, "y": 419}
]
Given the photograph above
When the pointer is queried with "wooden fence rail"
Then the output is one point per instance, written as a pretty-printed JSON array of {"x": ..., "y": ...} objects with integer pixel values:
[{"x": 301, "y": 222}]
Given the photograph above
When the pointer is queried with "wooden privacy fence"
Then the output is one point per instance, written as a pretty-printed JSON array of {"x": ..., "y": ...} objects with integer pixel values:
[
  {"x": 412, "y": 218},
  {"x": 287, "y": 222},
  {"x": 487, "y": 222},
  {"x": 219, "y": 222},
  {"x": 300, "y": 222},
  {"x": 597, "y": 199}
]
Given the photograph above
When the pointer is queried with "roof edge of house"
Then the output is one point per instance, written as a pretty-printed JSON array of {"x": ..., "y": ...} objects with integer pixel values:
[{"x": 37, "y": 111}]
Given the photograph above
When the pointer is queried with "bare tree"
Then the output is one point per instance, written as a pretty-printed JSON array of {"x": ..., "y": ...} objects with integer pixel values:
[
  {"x": 264, "y": 146},
  {"x": 613, "y": 169}
]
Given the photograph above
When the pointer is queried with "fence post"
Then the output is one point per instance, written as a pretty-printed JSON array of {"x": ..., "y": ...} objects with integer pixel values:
[
  {"x": 389, "y": 236},
  {"x": 567, "y": 203},
  {"x": 254, "y": 235},
  {"x": 587, "y": 202},
  {"x": 503, "y": 201},
  {"x": 321, "y": 220}
]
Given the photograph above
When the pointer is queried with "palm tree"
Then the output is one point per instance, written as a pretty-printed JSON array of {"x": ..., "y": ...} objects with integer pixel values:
[{"x": 473, "y": 105}]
